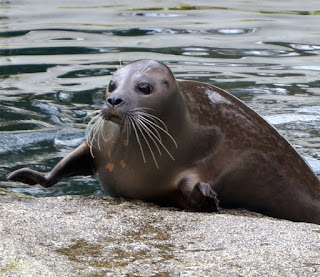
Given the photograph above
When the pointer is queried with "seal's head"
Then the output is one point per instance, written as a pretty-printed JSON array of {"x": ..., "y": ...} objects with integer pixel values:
[
  {"x": 144, "y": 85},
  {"x": 143, "y": 102}
]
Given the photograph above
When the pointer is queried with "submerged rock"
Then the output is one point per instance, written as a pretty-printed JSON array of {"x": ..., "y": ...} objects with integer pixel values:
[{"x": 90, "y": 236}]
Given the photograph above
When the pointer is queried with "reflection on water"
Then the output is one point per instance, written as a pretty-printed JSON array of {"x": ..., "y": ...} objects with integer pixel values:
[{"x": 55, "y": 62}]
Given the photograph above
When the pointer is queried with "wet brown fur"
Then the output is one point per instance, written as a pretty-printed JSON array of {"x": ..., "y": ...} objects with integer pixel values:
[{"x": 223, "y": 147}]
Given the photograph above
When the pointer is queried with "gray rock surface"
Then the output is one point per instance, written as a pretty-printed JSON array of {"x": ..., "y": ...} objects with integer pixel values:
[{"x": 88, "y": 236}]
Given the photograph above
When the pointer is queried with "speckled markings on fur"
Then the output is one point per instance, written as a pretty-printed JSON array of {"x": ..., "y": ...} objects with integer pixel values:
[{"x": 187, "y": 144}]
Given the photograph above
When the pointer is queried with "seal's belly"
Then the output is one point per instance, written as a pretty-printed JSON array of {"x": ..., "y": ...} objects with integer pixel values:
[{"x": 121, "y": 180}]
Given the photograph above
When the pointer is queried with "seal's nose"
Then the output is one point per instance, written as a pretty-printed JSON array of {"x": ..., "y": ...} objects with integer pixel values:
[{"x": 114, "y": 101}]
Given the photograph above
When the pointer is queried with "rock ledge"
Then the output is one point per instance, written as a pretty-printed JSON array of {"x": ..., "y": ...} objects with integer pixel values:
[{"x": 90, "y": 236}]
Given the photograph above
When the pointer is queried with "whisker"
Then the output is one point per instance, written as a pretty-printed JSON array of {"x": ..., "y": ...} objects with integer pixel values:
[
  {"x": 89, "y": 128},
  {"x": 147, "y": 121},
  {"x": 145, "y": 68},
  {"x": 138, "y": 140},
  {"x": 91, "y": 152},
  {"x": 160, "y": 142},
  {"x": 96, "y": 128},
  {"x": 151, "y": 123},
  {"x": 92, "y": 130},
  {"x": 150, "y": 134},
  {"x": 142, "y": 109},
  {"x": 89, "y": 114},
  {"x": 127, "y": 127},
  {"x": 99, "y": 132},
  {"x": 91, "y": 137},
  {"x": 146, "y": 127},
  {"x": 146, "y": 140},
  {"x": 120, "y": 64},
  {"x": 151, "y": 126},
  {"x": 102, "y": 129},
  {"x": 154, "y": 119},
  {"x": 91, "y": 122}
]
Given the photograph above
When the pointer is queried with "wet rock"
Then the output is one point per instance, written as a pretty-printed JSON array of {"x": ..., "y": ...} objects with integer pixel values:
[{"x": 90, "y": 236}]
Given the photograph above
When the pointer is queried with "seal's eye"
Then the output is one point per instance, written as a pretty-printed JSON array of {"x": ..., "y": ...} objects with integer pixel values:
[
  {"x": 145, "y": 88},
  {"x": 111, "y": 86}
]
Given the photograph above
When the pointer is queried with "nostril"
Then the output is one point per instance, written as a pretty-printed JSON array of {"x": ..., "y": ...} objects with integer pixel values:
[
  {"x": 110, "y": 101},
  {"x": 118, "y": 101},
  {"x": 114, "y": 101}
]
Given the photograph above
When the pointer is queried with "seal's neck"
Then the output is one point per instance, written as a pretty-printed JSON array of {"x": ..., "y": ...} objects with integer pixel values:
[
  {"x": 176, "y": 116},
  {"x": 194, "y": 141}
]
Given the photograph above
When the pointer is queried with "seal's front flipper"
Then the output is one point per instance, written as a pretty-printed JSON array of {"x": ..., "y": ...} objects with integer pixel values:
[
  {"x": 78, "y": 162},
  {"x": 204, "y": 198},
  {"x": 28, "y": 176}
]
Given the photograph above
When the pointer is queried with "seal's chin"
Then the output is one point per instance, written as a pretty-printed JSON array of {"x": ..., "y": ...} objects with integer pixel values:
[
  {"x": 115, "y": 119},
  {"x": 111, "y": 115}
]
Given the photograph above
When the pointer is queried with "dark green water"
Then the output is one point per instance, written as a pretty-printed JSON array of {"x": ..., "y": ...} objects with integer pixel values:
[{"x": 56, "y": 60}]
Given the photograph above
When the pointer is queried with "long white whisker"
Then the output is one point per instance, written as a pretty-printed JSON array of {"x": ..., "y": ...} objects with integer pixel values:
[
  {"x": 120, "y": 64},
  {"x": 142, "y": 109},
  {"x": 99, "y": 132},
  {"x": 150, "y": 133},
  {"x": 93, "y": 130},
  {"x": 164, "y": 147},
  {"x": 153, "y": 118},
  {"x": 138, "y": 140},
  {"x": 127, "y": 127},
  {"x": 151, "y": 126},
  {"x": 145, "y": 68},
  {"x": 89, "y": 129},
  {"x": 90, "y": 124},
  {"x": 90, "y": 114},
  {"x": 102, "y": 129},
  {"x": 146, "y": 127},
  {"x": 147, "y": 121},
  {"x": 91, "y": 136},
  {"x": 146, "y": 140},
  {"x": 91, "y": 151},
  {"x": 96, "y": 129}
]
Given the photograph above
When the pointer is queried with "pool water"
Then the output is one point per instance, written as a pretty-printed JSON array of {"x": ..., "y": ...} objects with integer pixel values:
[{"x": 56, "y": 60}]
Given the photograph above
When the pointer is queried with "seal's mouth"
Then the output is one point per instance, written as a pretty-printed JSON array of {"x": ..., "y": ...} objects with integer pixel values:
[
  {"x": 111, "y": 115},
  {"x": 116, "y": 119}
]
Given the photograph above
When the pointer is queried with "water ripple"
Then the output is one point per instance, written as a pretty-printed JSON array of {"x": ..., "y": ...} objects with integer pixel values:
[
  {"x": 56, "y": 60},
  {"x": 131, "y": 32},
  {"x": 210, "y": 52}
]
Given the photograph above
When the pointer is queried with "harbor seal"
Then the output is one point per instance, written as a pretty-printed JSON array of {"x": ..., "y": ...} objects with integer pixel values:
[{"x": 187, "y": 144}]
